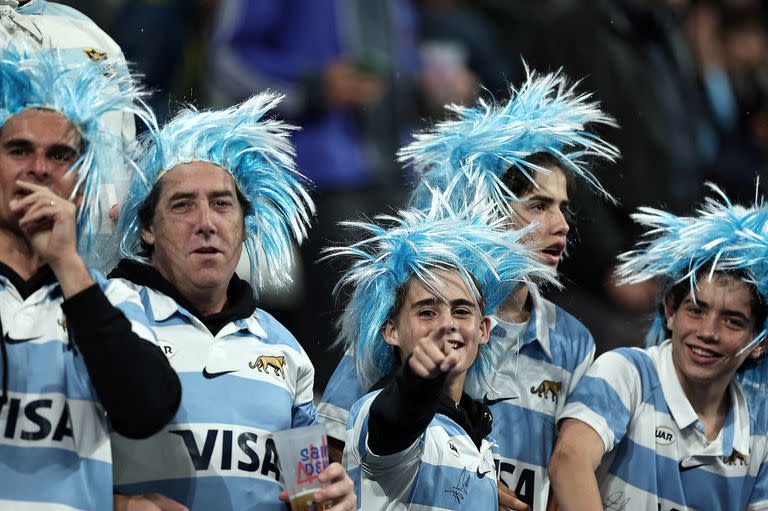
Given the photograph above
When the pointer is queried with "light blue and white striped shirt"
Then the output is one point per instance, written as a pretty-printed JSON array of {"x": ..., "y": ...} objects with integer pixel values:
[
  {"x": 443, "y": 469},
  {"x": 54, "y": 434},
  {"x": 657, "y": 457},
  {"x": 250, "y": 379},
  {"x": 528, "y": 395}
]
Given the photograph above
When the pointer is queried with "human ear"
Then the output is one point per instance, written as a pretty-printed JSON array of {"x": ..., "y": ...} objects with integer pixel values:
[
  {"x": 757, "y": 352},
  {"x": 147, "y": 235},
  {"x": 669, "y": 314},
  {"x": 389, "y": 332},
  {"x": 485, "y": 330}
]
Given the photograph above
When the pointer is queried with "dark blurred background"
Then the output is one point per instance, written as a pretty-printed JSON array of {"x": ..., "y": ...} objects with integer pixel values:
[{"x": 687, "y": 80}]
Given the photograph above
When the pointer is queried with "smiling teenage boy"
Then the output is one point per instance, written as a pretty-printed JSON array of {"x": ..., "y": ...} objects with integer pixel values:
[
  {"x": 691, "y": 410},
  {"x": 417, "y": 322}
]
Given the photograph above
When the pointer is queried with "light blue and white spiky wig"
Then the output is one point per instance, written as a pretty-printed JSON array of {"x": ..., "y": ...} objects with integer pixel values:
[
  {"x": 84, "y": 94},
  {"x": 417, "y": 244},
  {"x": 257, "y": 152},
  {"x": 721, "y": 237},
  {"x": 545, "y": 114}
]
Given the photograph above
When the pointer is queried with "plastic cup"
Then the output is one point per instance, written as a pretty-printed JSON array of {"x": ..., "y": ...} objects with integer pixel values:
[{"x": 302, "y": 453}]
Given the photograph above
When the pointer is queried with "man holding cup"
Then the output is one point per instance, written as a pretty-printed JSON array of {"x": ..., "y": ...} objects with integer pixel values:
[{"x": 211, "y": 183}]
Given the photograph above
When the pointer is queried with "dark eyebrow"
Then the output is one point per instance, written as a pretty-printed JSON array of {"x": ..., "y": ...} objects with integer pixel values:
[
  {"x": 17, "y": 142},
  {"x": 547, "y": 200},
  {"x": 220, "y": 193},
  {"x": 461, "y": 302},
  {"x": 24, "y": 143},
  {"x": 725, "y": 312},
  {"x": 181, "y": 195},
  {"x": 540, "y": 198}
]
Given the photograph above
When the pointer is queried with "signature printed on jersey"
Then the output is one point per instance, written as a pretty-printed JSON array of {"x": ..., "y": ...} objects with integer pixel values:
[
  {"x": 616, "y": 502},
  {"x": 461, "y": 489}
]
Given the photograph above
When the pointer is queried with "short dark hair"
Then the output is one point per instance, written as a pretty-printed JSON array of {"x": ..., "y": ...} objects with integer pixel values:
[
  {"x": 148, "y": 207},
  {"x": 520, "y": 185}
]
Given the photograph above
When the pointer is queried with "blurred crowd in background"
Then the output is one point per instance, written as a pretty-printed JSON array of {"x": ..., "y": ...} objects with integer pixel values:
[{"x": 687, "y": 81}]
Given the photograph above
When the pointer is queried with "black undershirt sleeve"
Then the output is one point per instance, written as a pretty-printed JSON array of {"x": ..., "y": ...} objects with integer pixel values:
[
  {"x": 401, "y": 412},
  {"x": 138, "y": 388}
]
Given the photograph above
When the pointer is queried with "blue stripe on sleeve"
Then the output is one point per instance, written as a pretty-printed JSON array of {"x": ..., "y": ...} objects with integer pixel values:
[{"x": 598, "y": 395}]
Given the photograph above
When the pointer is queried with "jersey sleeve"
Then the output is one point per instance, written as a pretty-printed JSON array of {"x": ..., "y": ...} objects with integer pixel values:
[
  {"x": 128, "y": 301},
  {"x": 396, "y": 470},
  {"x": 342, "y": 391},
  {"x": 304, "y": 412},
  {"x": 606, "y": 396}
]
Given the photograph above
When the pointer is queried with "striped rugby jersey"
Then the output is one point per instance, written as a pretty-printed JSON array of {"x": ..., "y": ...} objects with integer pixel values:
[
  {"x": 442, "y": 470},
  {"x": 250, "y": 379},
  {"x": 657, "y": 457},
  {"x": 555, "y": 353},
  {"x": 54, "y": 435}
]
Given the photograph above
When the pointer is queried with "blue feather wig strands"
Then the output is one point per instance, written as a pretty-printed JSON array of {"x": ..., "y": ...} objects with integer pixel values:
[
  {"x": 416, "y": 244},
  {"x": 545, "y": 114},
  {"x": 84, "y": 94},
  {"x": 257, "y": 153},
  {"x": 721, "y": 237}
]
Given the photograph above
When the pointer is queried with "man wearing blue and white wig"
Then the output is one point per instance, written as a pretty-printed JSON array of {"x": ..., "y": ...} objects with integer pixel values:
[
  {"x": 423, "y": 285},
  {"x": 71, "y": 340},
  {"x": 210, "y": 183},
  {"x": 518, "y": 158},
  {"x": 690, "y": 410}
]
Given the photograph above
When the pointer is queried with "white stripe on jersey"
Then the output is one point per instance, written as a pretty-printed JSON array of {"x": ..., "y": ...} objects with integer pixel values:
[
  {"x": 40, "y": 420},
  {"x": 34, "y": 506}
]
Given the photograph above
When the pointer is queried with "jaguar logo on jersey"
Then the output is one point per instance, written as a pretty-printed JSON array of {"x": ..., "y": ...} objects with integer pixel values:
[
  {"x": 95, "y": 55},
  {"x": 264, "y": 362},
  {"x": 736, "y": 458},
  {"x": 664, "y": 435},
  {"x": 548, "y": 388}
]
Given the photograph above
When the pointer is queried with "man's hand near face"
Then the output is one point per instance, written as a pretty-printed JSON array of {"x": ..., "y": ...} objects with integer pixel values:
[{"x": 49, "y": 222}]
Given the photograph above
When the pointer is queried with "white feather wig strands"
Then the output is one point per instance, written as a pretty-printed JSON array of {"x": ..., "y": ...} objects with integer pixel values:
[
  {"x": 721, "y": 237},
  {"x": 417, "y": 244},
  {"x": 545, "y": 114},
  {"x": 257, "y": 153},
  {"x": 84, "y": 94}
]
